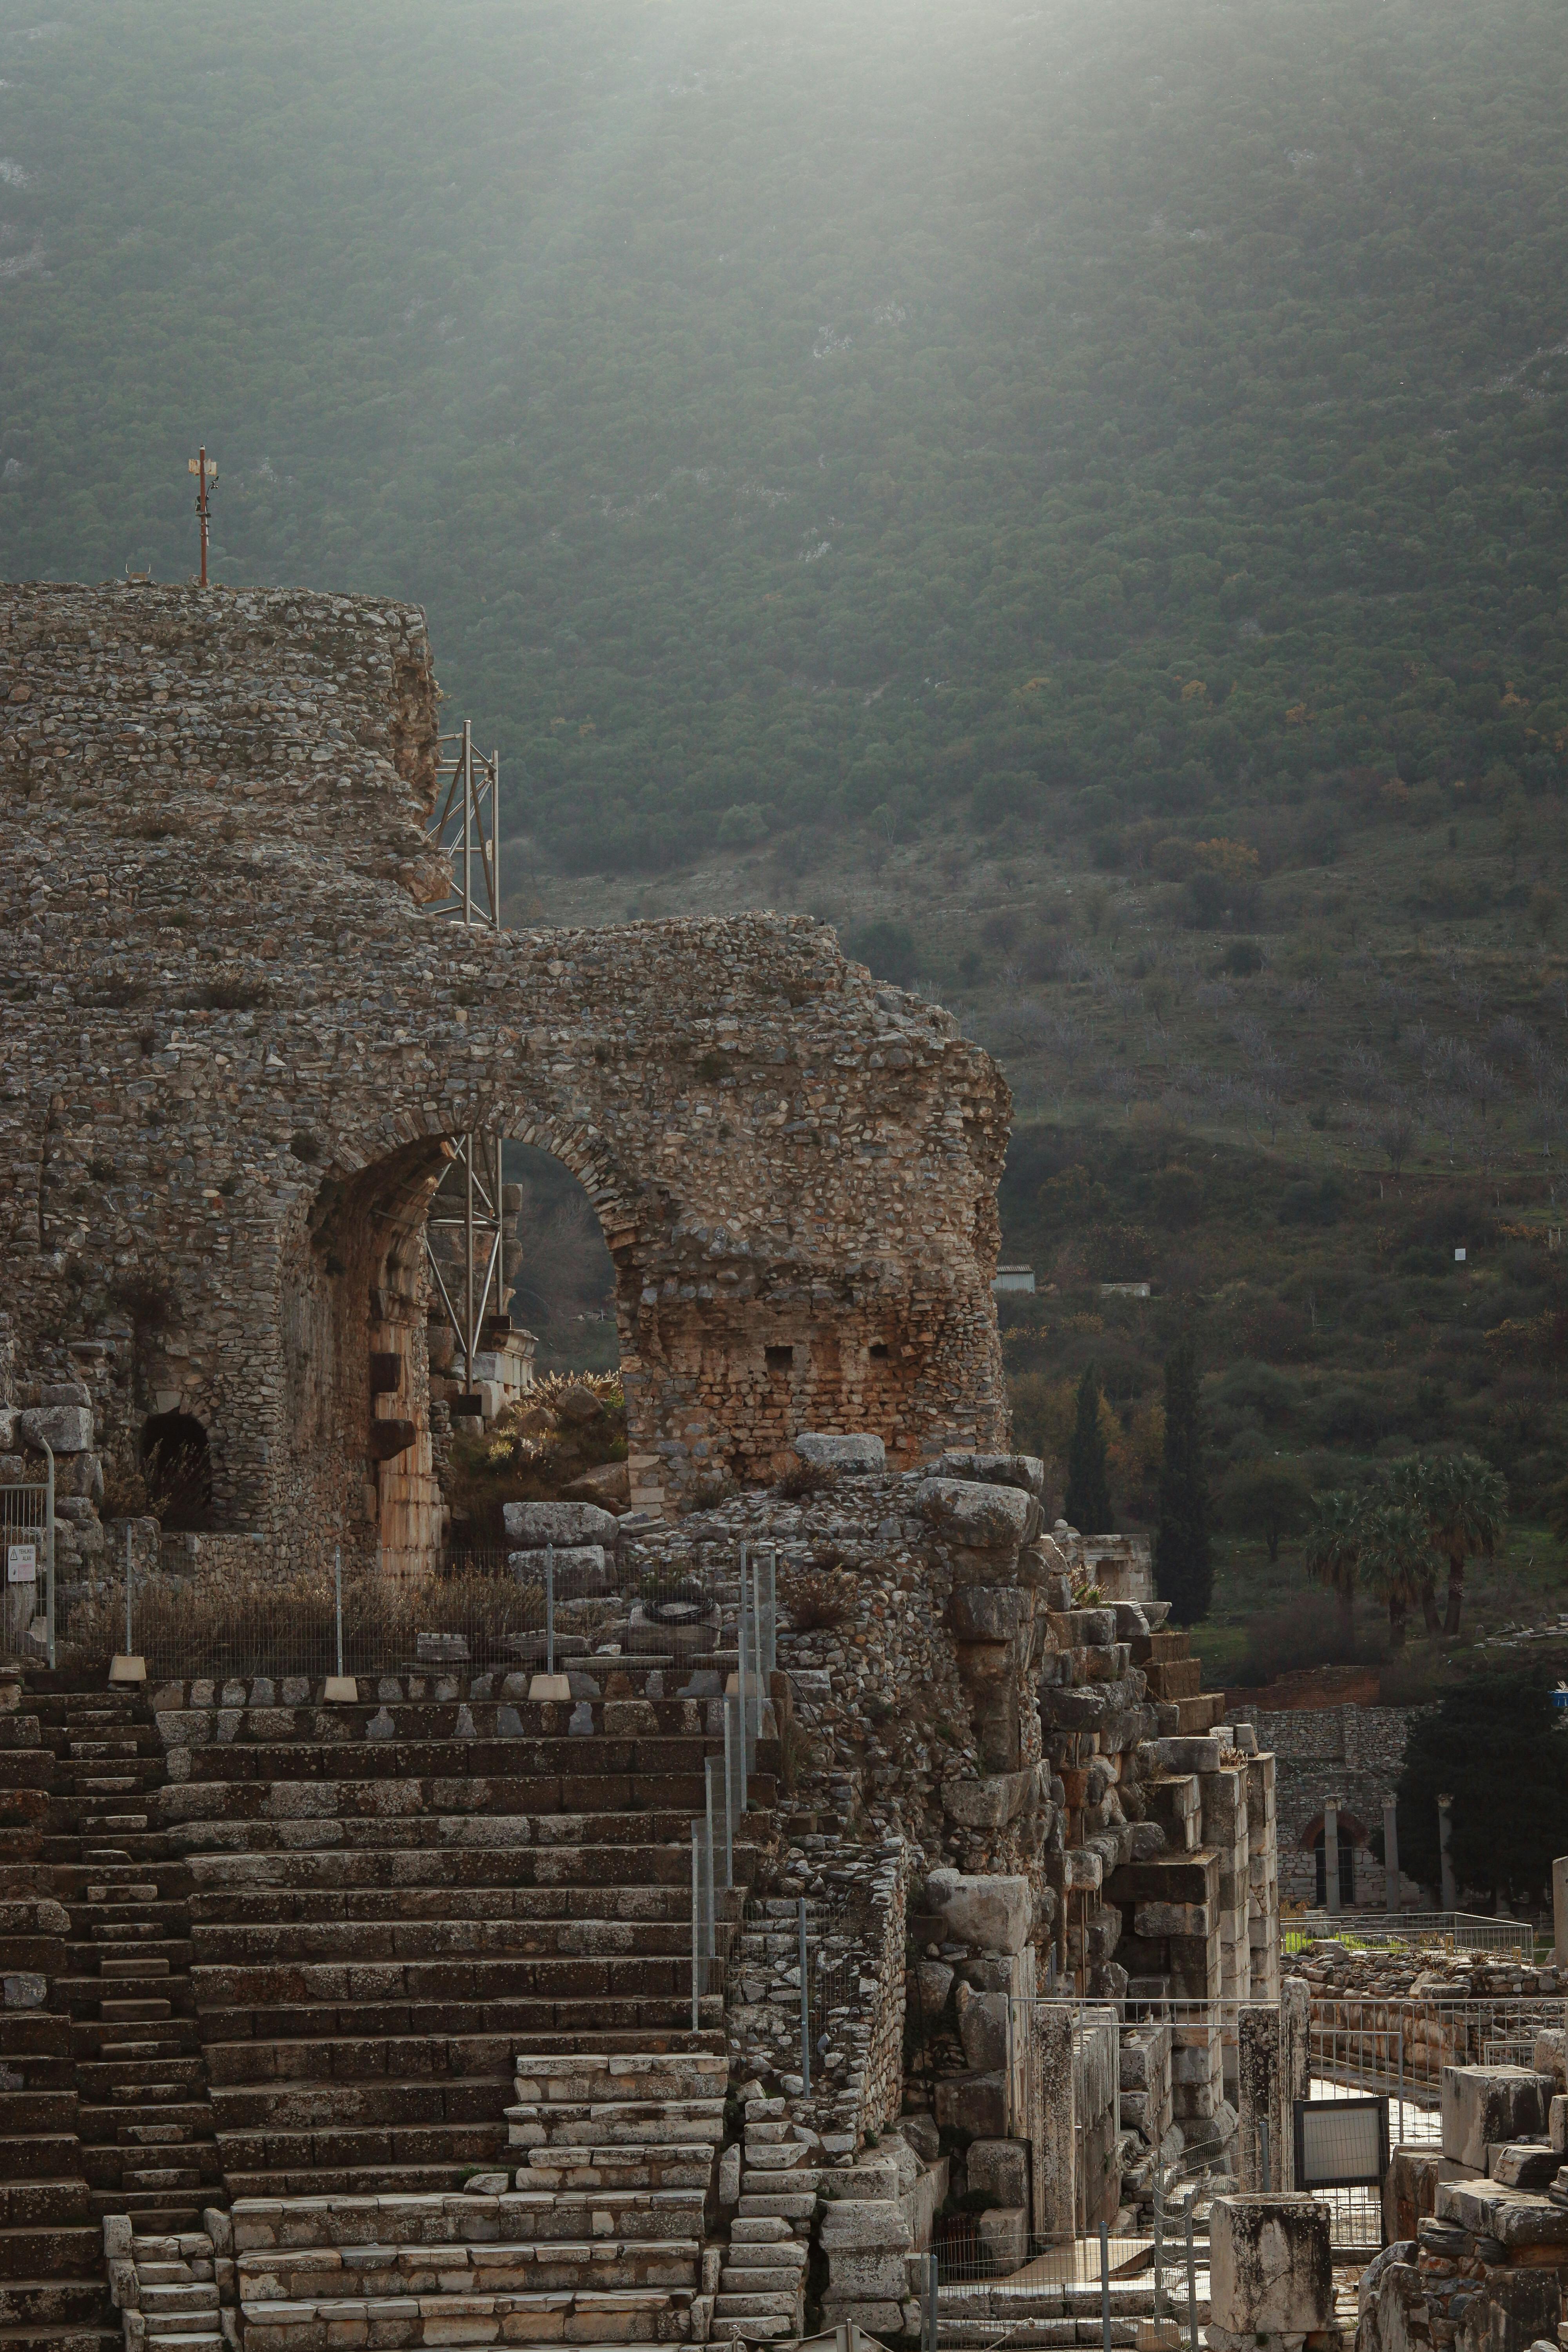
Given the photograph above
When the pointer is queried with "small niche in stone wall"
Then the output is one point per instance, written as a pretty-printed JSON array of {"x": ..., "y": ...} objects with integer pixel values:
[
  {"x": 878, "y": 1351},
  {"x": 780, "y": 1360}
]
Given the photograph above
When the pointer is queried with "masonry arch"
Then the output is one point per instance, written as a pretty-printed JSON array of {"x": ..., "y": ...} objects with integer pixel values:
[{"x": 1353, "y": 1837}]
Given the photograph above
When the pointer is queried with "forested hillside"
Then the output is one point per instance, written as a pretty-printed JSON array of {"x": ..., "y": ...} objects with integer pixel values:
[{"x": 1073, "y": 495}]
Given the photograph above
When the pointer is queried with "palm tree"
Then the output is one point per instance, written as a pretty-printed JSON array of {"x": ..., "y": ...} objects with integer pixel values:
[
  {"x": 1411, "y": 1486},
  {"x": 1466, "y": 1508},
  {"x": 1395, "y": 1545},
  {"x": 1333, "y": 1548}
]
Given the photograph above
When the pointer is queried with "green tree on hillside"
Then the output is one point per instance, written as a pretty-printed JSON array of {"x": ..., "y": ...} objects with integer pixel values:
[
  {"x": 1267, "y": 1499},
  {"x": 1088, "y": 1501},
  {"x": 1484, "y": 1743},
  {"x": 1393, "y": 1560},
  {"x": 1184, "y": 1565},
  {"x": 1331, "y": 1552},
  {"x": 1467, "y": 1505}
]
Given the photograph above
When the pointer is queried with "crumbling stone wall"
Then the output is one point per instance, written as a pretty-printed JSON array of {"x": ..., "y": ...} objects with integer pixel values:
[{"x": 235, "y": 1052}]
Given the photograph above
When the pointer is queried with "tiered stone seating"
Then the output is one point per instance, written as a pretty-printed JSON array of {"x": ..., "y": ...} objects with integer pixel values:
[
  {"x": 388, "y": 1901},
  {"x": 53, "y": 2294},
  {"x": 145, "y": 2120}
]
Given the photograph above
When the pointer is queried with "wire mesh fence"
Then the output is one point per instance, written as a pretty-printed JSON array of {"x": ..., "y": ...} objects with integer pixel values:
[
  {"x": 27, "y": 1550},
  {"x": 1459, "y": 1931}
]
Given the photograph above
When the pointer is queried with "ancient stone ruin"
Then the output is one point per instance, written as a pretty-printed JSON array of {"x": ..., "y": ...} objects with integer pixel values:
[
  {"x": 236, "y": 1055},
  {"x": 381, "y": 2008}
]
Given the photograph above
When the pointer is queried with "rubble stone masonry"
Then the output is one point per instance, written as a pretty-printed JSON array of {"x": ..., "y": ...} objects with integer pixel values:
[{"x": 234, "y": 1050}]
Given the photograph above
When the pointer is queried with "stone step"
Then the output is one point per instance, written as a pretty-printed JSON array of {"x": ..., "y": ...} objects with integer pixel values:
[
  {"x": 189, "y": 1811},
  {"x": 515, "y": 1756},
  {"x": 58, "y": 2303},
  {"x": 305, "y": 1984},
  {"x": 325, "y": 2274},
  {"x": 278, "y": 1904},
  {"x": 505, "y": 1712},
  {"x": 687, "y": 2070},
  {"x": 387, "y": 2218},
  {"x": 73, "y": 2252},
  {"x": 570, "y": 2318},
  {"x": 558, "y": 2124},
  {"x": 46, "y": 2202},
  {"x": 285, "y": 2106},
  {"x": 351, "y": 1942},
  {"x": 490, "y": 1830},
  {"x": 559, "y": 1868},
  {"x": 37, "y": 2156},
  {"x": 657, "y": 2166}
]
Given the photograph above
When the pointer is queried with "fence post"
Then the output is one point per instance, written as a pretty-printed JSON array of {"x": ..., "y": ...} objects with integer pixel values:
[
  {"x": 49, "y": 1545},
  {"x": 338, "y": 1601},
  {"x": 696, "y": 1930},
  {"x": 770, "y": 1612},
  {"x": 1192, "y": 2278},
  {"x": 712, "y": 1919},
  {"x": 930, "y": 2301},
  {"x": 1267, "y": 2181},
  {"x": 1159, "y": 2246},
  {"x": 729, "y": 1796},
  {"x": 1105, "y": 2286},
  {"x": 130, "y": 1644},
  {"x": 804, "y": 2002}
]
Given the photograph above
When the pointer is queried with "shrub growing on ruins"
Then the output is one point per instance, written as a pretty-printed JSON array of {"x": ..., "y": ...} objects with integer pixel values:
[
  {"x": 1087, "y": 1500},
  {"x": 1184, "y": 1563},
  {"x": 818, "y": 1600}
]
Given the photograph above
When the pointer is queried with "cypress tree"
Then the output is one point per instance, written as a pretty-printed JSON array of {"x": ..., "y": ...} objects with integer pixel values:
[
  {"x": 1183, "y": 1569},
  {"x": 1088, "y": 1503}
]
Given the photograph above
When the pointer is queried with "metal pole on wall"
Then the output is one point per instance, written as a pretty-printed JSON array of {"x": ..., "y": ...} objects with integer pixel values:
[
  {"x": 49, "y": 1545},
  {"x": 338, "y": 1601},
  {"x": 130, "y": 1644},
  {"x": 729, "y": 1795},
  {"x": 930, "y": 2314},
  {"x": 696, "y": 1928},
  {"x": 1105, "y": 2286},
  {"x": 805, "y": 2003},
  {"x": 1192, "y": 2278},
  {"x": 1391, "y": 1855},
  {"x": 550, "y": 1609},
  {"x": 1332, "y": 1855}
]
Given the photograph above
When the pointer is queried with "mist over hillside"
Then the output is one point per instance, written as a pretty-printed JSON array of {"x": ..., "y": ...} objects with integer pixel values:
[{"x": 1073, "y": 496}]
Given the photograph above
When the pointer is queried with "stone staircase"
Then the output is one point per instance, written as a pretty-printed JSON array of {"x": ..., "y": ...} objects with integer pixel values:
[
  {"x": 146, "y": 2122},
  {"x": 389, "y": 1901},
  {"x": 53, "y": 2294}
]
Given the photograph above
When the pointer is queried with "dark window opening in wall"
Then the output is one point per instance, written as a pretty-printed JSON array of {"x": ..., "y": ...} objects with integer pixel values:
[
  {"x": 1347, "y": 1870},
  {"x": 177, "y": 1471},
  {"x": 878, "y": 1351},
  {"x": 558, "y": 1268},
  {"x": 780, "y": 1360}
]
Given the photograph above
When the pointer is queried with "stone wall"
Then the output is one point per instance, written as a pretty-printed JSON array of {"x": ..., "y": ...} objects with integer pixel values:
[
  {"x": 234, "y": 1054},
  {"x": 1354, "y": 1753}
]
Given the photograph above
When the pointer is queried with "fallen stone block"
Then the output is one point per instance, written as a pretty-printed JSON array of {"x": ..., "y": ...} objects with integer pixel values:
[{"x": 1269, "y": 2267}]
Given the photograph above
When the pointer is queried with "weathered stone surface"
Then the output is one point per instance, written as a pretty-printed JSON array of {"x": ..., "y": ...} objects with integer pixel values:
[
  {"x": 64, "y": 1428},
  {"x": 999, "y": 2169},
  {"x": 978, "y": 1516},
  {"x": 1483, "y": 2105},
  {"x": 993, "y": 1914},
  {"x": 976, "y": 2103},
  {"x": 532, "y": 1526},
  {"x": 261, "y": 978},
  {"x": 1269, "y": 2267},
  {"x": 1026, "y": 1471},
  {"x": 861, "y": 1451}
]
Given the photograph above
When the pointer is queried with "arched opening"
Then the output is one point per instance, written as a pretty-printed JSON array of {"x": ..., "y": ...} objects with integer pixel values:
[
  {"x": 177, "y": 1471},
  {"x": 562, "y": 1274}
]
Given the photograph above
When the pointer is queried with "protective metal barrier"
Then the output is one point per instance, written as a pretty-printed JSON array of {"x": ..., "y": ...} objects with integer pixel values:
[{"x": 28, "y": 1626}]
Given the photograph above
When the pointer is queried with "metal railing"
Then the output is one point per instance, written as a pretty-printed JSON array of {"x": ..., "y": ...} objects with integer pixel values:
[
  {"x": 1460, "y": 1931},
  {"x": 714, "y": 1832},
  {"x": 27, "y": 1630}
]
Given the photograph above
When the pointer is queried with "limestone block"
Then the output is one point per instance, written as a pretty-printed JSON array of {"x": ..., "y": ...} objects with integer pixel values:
[
  {"x": 991, "y": 1612},
  {"x": 63, "y": 1428},
  {"x": 992, "y": 1803},
  {"x": 976, "y": 2103},
  {"x": 865, "y": 2275},
  {"x": 1156, "y": 1919},
  {"x": 1512, "y": 2216},
  {"x": 994, "y": 1913},
  {"x": 1004, "y": 2234},
  {"x": 983, "y": 2027},
  {"x": 929, "y": 1986},
  {"x": 999, "y": 2169},
  {"x": 1026, "y": 1471},
  {"x": 864, "y": 2225},
  {"x": 1269, "y": 2268},
  {"x": 859, "y": 1453},
  {"x": 977, "y": 1517},
  {"x": 730, "y": 2176},
  {"x": 1525, "y": 2164},
  {"x": 580, "y": 1570},
  {"x": 1489, "y": 2104},
  {"x": 532, "y": 1526}
]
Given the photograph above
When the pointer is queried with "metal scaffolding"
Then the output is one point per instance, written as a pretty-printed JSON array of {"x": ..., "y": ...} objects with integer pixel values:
[{"x": 465, "y": 827}]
